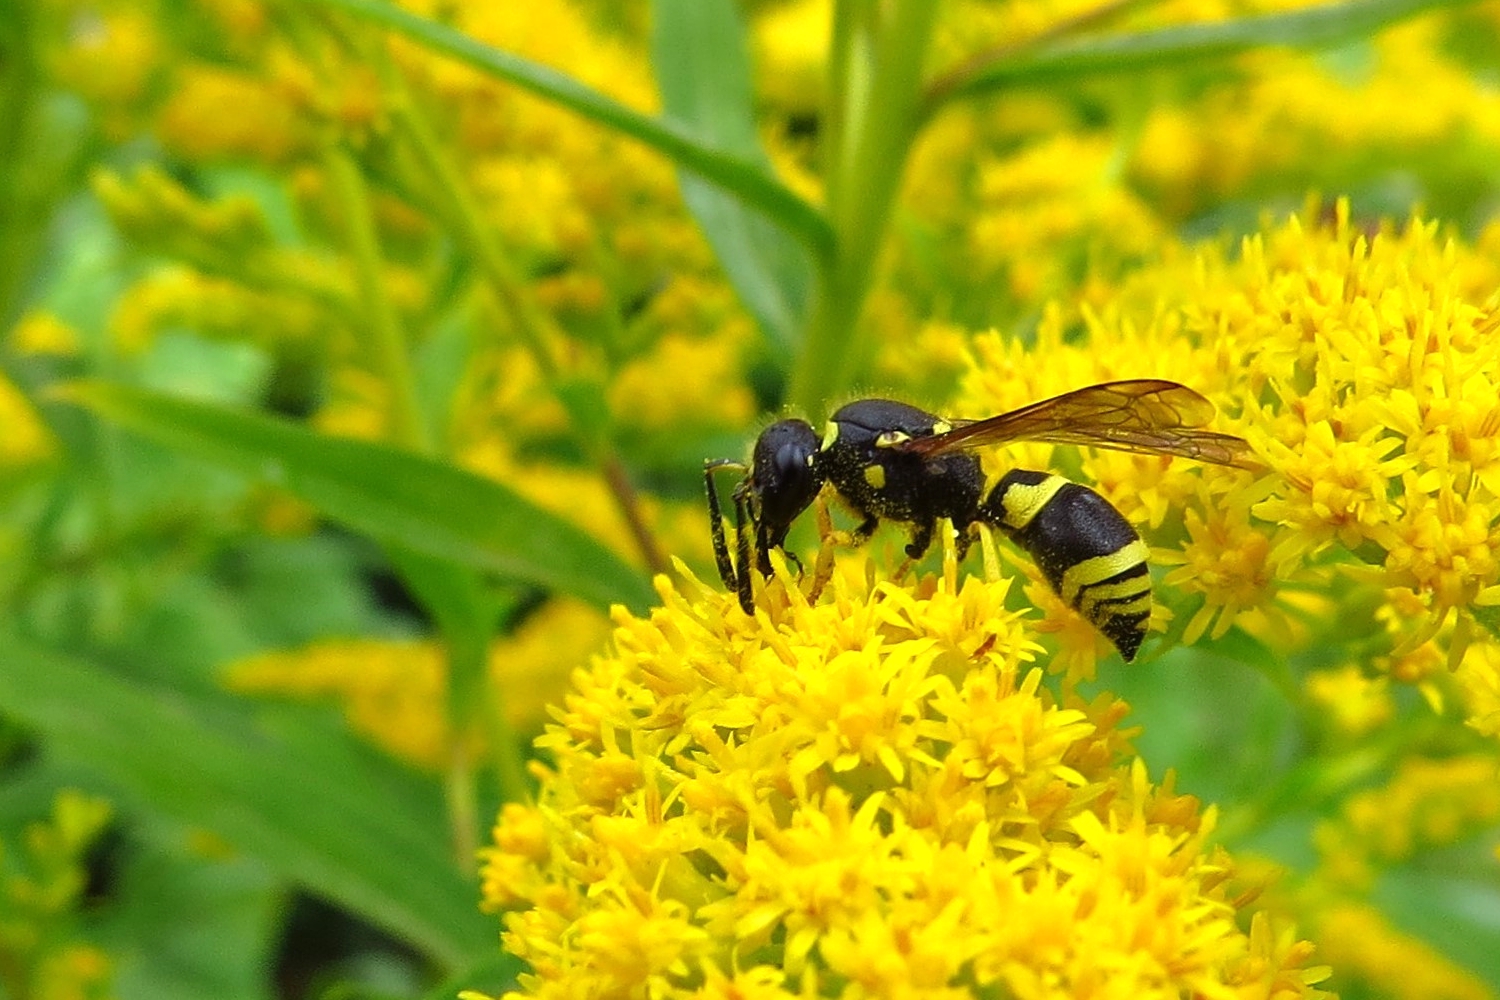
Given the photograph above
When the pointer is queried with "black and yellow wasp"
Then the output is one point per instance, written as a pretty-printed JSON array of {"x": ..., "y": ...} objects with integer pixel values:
[{"x": 887, "y": 460}]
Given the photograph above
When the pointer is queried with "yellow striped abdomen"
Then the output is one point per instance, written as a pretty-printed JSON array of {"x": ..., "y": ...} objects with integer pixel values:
[{"x": 1088, "y": 552}]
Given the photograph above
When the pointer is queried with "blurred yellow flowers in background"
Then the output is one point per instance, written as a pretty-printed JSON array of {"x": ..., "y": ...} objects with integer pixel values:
[{"x": 359, "y": 360}]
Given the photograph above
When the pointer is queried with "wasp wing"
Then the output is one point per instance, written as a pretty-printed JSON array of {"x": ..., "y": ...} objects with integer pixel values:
[{"x": 1151, "y": 416}]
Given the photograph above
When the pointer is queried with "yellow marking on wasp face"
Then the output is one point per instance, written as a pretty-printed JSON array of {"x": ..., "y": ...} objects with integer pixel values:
[
  {"x": 1081, "y": 574},
  {"x": 889, "y": 439},
  {"x": 1102, "y": 615},
  {"x": 1022, "y": 503},
  {"x": 875, "y": 476},
  {"x": 1113, "y": 592},
  {"x": 830, "y": 435}
]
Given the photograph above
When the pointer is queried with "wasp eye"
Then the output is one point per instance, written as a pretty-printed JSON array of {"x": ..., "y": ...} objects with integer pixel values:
[{"x": 791, "y": 462}]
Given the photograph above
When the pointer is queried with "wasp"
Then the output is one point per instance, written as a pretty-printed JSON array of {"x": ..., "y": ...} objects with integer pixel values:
[{"x": 890, "y": 461}]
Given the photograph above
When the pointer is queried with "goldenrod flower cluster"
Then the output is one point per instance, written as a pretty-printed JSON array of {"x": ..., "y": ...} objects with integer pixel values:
[
  {"x": 42, "y": 879},
  {"x": 869, "y": 796},
  {"x": 1363, "y": 368},
  {"x": 392, "y": 691}
]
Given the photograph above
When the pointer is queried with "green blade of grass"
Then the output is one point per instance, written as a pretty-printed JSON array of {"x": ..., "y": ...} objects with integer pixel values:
[
  {"x": 742, "y": 178},
  {"x": 1180, "y": 46},
  {"x": 290, "y": 788},
  {"x": 703, "y": 71},
  {"x": 391, "y": 495}
]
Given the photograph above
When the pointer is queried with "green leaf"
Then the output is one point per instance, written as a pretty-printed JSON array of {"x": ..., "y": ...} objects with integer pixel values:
[
  {"x": 1488, "y": 616},
  {"x": 181, "y": 926},
  {"x": 743, "y": 178},
  {"x": 1181, "y": 46},
  {"x": 391, "y": 495},
  {"x": 465, "y": 617},
  {"x": 1447, "y": 898},
  {"x": 289, "y": 788},
  {"x": 703, "y": 72}
]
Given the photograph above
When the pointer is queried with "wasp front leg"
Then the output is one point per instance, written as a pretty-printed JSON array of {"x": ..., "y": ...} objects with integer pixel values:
[{"x": 735, "y": 573}]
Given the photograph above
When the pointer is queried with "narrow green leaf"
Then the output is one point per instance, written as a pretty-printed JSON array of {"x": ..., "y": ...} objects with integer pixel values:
[
  {"x": 465, "y": 617},
  {"x": 391, "y": 495},
  {"x": 286, "y": 787},
  {"x": 1189, "y": 44},
  {"x": 703, "y": 72},
  {"x": 181, "y": 926},
  {"x": 743, "y": 178}
]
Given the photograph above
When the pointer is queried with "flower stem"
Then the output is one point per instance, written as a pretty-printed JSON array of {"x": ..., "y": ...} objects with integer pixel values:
[
  {"x": 882, "y": 66},
  {"x": 532, "y": 325},
  {"x": 392, "y": 360}
]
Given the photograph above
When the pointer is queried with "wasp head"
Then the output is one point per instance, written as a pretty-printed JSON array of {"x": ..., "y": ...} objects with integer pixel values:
[{"x": 783, "y": 481}]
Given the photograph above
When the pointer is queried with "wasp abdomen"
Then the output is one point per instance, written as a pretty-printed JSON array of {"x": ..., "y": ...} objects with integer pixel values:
[{"x": 1088, "y": 552}]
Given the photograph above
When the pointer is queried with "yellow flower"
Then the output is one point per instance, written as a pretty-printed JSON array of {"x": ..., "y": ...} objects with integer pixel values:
[
  {"x": 1428, "y": 804},
  {"x": 110, "y": 58},
  {"x": 40, "y": 332},
  {"x": 393, "y": 691},
  {"x": 1053, "y": 210},
  {"x": 1354, "y": 703},
  {"x": 791, "y": 49},
  {"x": 1363, "y": 947},
  {"x": 265, "y": 126},
  {"x": 1311, "y": 122},
  {"x": 1364, "y": 369},
  {"x": 26, "y": 439},
  {"x": 180, "y": 298},
  {"x": 1226, "y": 559},
  {"x": 1478, "y": 679},
  {"x": 873, "y": 794},
  {"x": 684, "y": 380},
  {"x": 41, "y": 898}
]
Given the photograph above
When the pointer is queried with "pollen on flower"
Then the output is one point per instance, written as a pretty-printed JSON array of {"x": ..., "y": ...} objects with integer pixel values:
[{"x": 876, "y": 788}]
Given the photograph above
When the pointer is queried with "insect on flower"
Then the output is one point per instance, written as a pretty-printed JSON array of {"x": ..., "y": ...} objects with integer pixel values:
[{"x": 888, "y": 460}]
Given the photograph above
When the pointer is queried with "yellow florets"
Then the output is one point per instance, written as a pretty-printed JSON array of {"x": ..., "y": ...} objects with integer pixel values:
[
  {"x": 43, "y": 875},
  {"x": 1364, "y": 946},
  {"x": 1363, "y": 369},
  {"x": 393, "y": 691},
  {"x": 1354, "y": 703},
  {"x": 1429, "y": 803},
  {"x": 872, "y": 793}
]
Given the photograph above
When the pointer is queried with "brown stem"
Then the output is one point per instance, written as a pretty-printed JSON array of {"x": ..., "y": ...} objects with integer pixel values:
[{"x": 629, "y": 503}]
